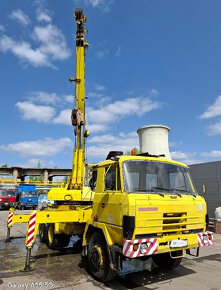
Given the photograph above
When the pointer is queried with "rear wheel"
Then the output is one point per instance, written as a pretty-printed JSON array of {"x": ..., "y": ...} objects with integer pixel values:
[
  {"x": 43, "y": 232},
  {"x": 56, "y": 241},
  {"x": 99, "y": 265},
  {"x": 165, "y": 261}
]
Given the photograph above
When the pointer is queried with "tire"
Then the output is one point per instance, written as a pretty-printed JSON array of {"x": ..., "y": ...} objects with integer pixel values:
[
  {"x": 98, "y": 259},
  {"x": 43, "y": 232},
  {"x": 165, "y": 261},
  {"x": 56, "y": 241}
]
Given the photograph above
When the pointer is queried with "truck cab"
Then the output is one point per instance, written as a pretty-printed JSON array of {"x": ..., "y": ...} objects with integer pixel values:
[
  {"x": 27, "y": 196},
  {"x": 7, "y": 198},
  {"x": 145, "y": 207}
]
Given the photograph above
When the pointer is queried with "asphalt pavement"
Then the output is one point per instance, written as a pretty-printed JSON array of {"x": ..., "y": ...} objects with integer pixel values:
[{"x": 64, "y": 270}]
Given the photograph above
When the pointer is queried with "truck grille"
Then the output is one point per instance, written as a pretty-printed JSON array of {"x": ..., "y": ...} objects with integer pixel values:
[{"x": 173, "y": 222}]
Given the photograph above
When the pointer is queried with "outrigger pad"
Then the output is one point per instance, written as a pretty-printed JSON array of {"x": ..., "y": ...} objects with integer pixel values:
[{"x": 113, "y": 154}]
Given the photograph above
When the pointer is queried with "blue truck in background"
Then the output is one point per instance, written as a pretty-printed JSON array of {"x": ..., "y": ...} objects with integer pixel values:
[{"x": 27, "y": 196}]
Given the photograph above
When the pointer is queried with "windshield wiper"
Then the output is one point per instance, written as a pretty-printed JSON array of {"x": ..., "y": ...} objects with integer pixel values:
[
  {"x": 184, "y": 190},
  {"x": 143, "y": 190},
  {"x": 160, "y": 188}
]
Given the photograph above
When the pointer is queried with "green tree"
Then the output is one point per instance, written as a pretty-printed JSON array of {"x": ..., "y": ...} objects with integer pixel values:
[
  {"x": 5, "y": 165},
  {"x": 39, "y": 164},
  {"x": 37, "y": 179}
]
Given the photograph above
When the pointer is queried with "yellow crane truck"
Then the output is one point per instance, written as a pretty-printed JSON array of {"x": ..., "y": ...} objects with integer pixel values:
[{"x": 134, "y": 207}]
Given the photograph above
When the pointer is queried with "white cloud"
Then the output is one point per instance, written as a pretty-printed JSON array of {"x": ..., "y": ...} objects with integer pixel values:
[
  {"x": 98, "y": 119},
  {"x": 103, "y": 5},
  {"x": 103, "y": 144},
  {"x": 96, "y": 128},
  {"x": 113, "y": 112},
  {"x": 32, "y": 163},
  {"x": 99, "y": 116},
  {"x": 20, "y": 16},
  {"x": 102, "y": 53},
  {"x": 2, "y": 28},
  {"x": 214, "y": 129},
  {"x": 118, "y": 51},
  {"x": 43, "y": 15},
  {"x": 172, "y": 144},
  {"x": 44, "y": 147},
  {"x": 213, "y": 153},
  {"x": 69, "y": 98},
  {"x": 50, "y": 46},
  {"x": 99, "y": 87},
  {"x": 138, "y": 106},
  {"x": 24, "y": 52},
  {"x": 52, "y": 41},
  {"x": 153, "y": 93},
  {"x": 39, "y": 113},
  {"x": 64, "y": 117},
  {"x": 213, "y": 110},
  {"x": 94, "y": 95},
  {"x": 187, "y": 158},
  {"x": 44, "y": 97}
]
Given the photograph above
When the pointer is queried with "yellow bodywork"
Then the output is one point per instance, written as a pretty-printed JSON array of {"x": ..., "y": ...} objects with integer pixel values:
[
  {"x": 166, "y": 217},
  {"x": 66, "y": 194},
  {"x": 67, "y": 219}
]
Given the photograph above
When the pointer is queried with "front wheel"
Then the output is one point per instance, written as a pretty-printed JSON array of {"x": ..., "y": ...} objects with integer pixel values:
[
  {"x": 99, "y": 265},
  {"x": 165, "y": 261}
]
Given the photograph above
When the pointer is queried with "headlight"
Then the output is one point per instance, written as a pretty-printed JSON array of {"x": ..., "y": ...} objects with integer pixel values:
[
  {"x": 143, "y": 248},
  {"x": 0, "y": 199}
]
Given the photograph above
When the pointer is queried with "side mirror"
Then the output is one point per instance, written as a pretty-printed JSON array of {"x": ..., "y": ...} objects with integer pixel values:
[{"x": 204, "y": 189}]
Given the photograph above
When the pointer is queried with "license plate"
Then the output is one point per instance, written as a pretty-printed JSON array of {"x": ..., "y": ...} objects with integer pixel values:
[
  {"x": 178, "y": 243},
  {"x": 6, "y": 203}
]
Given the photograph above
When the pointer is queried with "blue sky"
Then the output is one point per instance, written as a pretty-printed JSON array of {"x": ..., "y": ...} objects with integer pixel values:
[{"x": 149, "y": 62}]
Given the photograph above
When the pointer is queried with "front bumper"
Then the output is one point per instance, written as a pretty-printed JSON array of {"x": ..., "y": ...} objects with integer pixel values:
[
  {"x": 7, "y": 204},
  {"x": 131, "y": 248}
]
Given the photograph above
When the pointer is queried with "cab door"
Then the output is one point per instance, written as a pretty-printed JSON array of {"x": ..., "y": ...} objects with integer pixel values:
[{"x": 112, "y": 197}]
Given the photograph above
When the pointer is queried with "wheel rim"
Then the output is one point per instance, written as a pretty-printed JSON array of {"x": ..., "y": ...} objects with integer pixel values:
[
  {"x": 50, "y": 234},
  {"x": 41, "y": 231},
  {"x": 97, "y": 257}
]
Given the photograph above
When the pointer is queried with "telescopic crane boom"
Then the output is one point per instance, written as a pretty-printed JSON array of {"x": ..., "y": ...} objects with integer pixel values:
[{"x": 78, "y": 114}]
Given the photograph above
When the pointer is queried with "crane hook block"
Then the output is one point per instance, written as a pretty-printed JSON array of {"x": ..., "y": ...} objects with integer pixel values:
[
  {"x": 79, "y": 16},
  {"x": 76, "y": 117}
]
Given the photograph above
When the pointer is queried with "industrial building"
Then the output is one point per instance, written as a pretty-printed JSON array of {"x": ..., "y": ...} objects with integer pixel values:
[{"x": 208, "y": 174}]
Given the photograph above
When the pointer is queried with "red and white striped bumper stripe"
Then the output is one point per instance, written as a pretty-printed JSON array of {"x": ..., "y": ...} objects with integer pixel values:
[
  {"x": 10, "y": 218},
  {"x": 128, "y": 250},
  {"x": 205, "y": 239},
  {"x": 31, "y": 229}
]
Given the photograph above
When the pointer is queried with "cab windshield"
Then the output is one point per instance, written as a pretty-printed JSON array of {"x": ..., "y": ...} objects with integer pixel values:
[
  {"x": 29, "y": 194},
  {"x": 7, "y": 193},
  {"x": 156, "y": 177}
]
